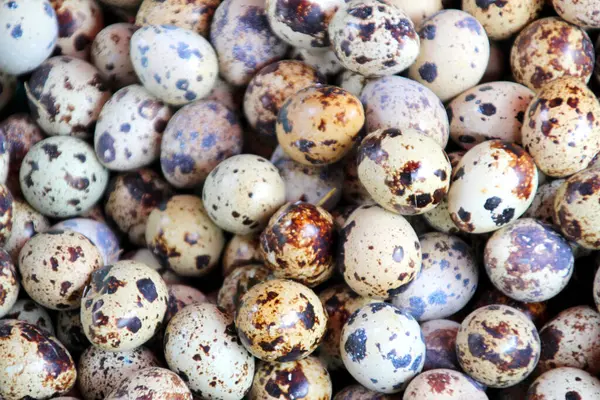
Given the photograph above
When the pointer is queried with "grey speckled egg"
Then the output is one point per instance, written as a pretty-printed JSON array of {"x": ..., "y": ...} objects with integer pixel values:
[
  {"x": 99, "y": 234},
  {"x": 61, "y": 177},
  {"x": 358, "y": 392},
  {"x": 195, "y": 15},
  {"x": 443, "y": 384},
  {"x": 352, "y": 82},
  {"x": 582, "y": 13},
  {"x": 26, "y": 223},
  {"x": 31, "y": 312},
  {"x": 8, "y": 86},
  {"x": 79, "y": 21},
  {"x": 191, "y": 77},
  {"x": 325, "y": 62},
  {"x": 447, "y": 281},
  {"x": 565, "y": 383},
  {"x": 150, "y": 382},
  {"x": 237, "y": 284},
  {"x": 110, "y": 54},
  {"x": 70, "y": 331},
  {"x": 440, "y": 341},
  {"x": 239, "y": 251},
  {"x": 9, "y": 283},
  {"x": 382, "y": 347}
]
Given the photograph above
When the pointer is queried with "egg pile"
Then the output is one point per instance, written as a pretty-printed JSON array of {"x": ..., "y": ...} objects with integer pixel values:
[{"x": 299, "y": 200}]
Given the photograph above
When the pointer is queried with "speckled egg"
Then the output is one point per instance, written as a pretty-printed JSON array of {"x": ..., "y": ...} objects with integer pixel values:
[
  {"x": 194, "y": 15},
  {"x": 191, "y": 77},
  {"x": 237, "y": 284},
  {"x": 306, "y": 378},
  {"x": 61, "y": 177},
  {"x": 494, "y": 183},
  {"x": 6, "y": 214},
  {"x": 243, "y": 40},
  {"x": 550, "y": 48},
  {"x": 378, "y": 252},
  {"x": 405, "y": 171},
  {"x": 101, "y": 371},
  {"x": 565, "y": 383},
  {"x": 198, "y": 137},
  {"x": 149, "y": 383},
  {"x": 536, "y": 312},
  {"x": 123, "y": 305},
  {"x": 353, "y": 191},
  {"x": 352, "y": 82},
  {"x": 454, "y": 53},
  {"x": 242, "y": 193},
  {"x": 66, "y": 96},
  {"x": 572, "y": 339},
  {"x": 280, "y": 320},
  {"x": 32, "y": 363},
  {"x": 324, "y": 61},
  {"x": 447, "y": 281},
  {"x": 418, "y": 11},
  {"x": 79, "y": 21},
  {"x": 582, "y": 13},
  {"x": 382, "y": 347},
  {"x": 181, "y": 296},
  {"x": 110, "y": 54},
  {"x": 358, "y": 392},
  {"x": 542, "y": 207},
  {"x": 9, "y": 283},
  {"x": 270, "y": 88},
  {"x": 146, "y": 257},
  {"x": 26, "y": 223},
  {"x": 239, "y": 251},
  {"x": 99, "y": 234},
  {"x": 202, "y": 346},
  {"x": 439, "y": 218},
  {"x": 29, "y": 34},
  {"x": 69, "y": 331},
  {"x": 443, "y": 384},
  {"x": 131, "y": 197},
  {"x": 31, "y": 312},
  {"x": 440, "y": 342},
  {"x": 397, "y": 102},
  {"x": 8, "y": 86},
  {"x": 388, "y": 41}
]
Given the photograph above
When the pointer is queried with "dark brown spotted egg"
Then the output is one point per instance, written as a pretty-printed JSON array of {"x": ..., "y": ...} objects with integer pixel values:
[
  {"x": 493, "y": 184},
  {"x": 101, "y": 371},
  {"x": 69, "y": 331},
  {"x": 150, "y": 383},
  {"x": 551, "y": 48},
  {"x": 9, "y": 283},
  {"x": 6, "y": 214},
  {"x": 8, "y": 87},
  {"x": 198, "y": 137},
  {"x": 110, "y": 54},
  {"x": 280, "y": 320},
  {"x": 443, "y": 384},
  {"x": 565, "y": 383},
  {"x": 404, "y": 171},
  {"x": 32, "y": 363},
  {"x": 536, "y": 312},
  {"x": 498, "y": 346},
  {"x": 194, "y": 15},
  {"x": 31, "y": 312},
  {"x": 79, "y": 21},
  {"x": 306, "y": 378},
  {"x": 358, "y": 392},
  {"x": 325, "y": 62},
  {"x": 582, "y": 13},
  {"x": 202, "y": 346},
  {"x": 123, "y": 305},
  {"x": 382, "y": 347},
  {"x": 26, "y": 223},
  {"x": 454, "y": 53},
  {"x": 239, "y": 251},
  {"x": 131, "y": 197},
  {"x": 440, "y": 342},
  {"x": 237, "y": 284}
]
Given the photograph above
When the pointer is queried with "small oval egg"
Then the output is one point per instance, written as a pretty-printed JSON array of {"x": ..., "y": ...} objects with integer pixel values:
[
  {"x": 443, "y": 384},
  {"x": 151, "y": 382},
  {"x": 181, "y": 296},
  {"x": 8, "y": 87},
  {"x": 325, "y": 62},
  {"x": 69, "y": 332},
  {"x": 194, "y": 15},
  {"x": 26, "y": 223},
  {"x": 440, "y": 342},
  {"x": 237, "y": 284},
  {"x": 358, "y": 392},
  {"x": 9, "y": 283},
  {"x": 241, "y": 250},
  {"x": 100, "y": 234},
  {"x": 79, "y": 21},
  {"x": 145, "y": 256},
  {"x": 418, "y": 11},
  {"x": 536, "y": 312},
  {"x": 567, "y": 383},
  {"x": 31, "y": 312},
  {"x": 110, "y": 54},
  {"x": 583, "y": 13}
]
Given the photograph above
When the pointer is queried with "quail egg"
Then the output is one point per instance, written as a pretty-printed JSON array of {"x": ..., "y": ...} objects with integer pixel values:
[
  {"x": 194, "y": 15},
  {"x": 26, "y": 223},
  {"x": 352, "y": 82},
  {"x": 79, "y": 21},
  {"x": 237, "y": 284},
  {"x": 565, "y": 383},
  {"x": 146, "y": 257},
  {"x": 69, "y": 331},
  {"x": 418, "y": 11},
  {"x": 9, "y": 283},
  {"x": 180, "y": 296},
  {"x": 6, "y": 214},
  {"x": 31, "y": 312},
  {"x": 536, "y": 312},
  {"x": 110, "y": 54},
  {"x": 358, "y": 392},
  {"x": 542, "y": 207},
  {"x": 582, "y": 13},
  {"x": 440, "y": 342},
  {"x": 325, "y": 62},
  {"x": 99, "y": 234},
  {"x": 149, "y": 383},
  {"x": 239, "y": 251},
  {"x": 443, "y": 384}
]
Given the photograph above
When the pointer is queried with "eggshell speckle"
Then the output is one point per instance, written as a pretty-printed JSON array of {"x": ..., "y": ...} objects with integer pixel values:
[
  {"x": 79, "y": 21},
  {"x": 31, "y": 312},
  {"x": 440, "y": 341},
  {"x": 194, "y": 15},
  {"x": 110, "y": 54},
  {"x": 565, "y": 383},
  {"x": 502, "y": 19},
  {"x": 150, "y": 382},
  {"x": 443, "y": 384},
  {"x": 99, "y": 234}
]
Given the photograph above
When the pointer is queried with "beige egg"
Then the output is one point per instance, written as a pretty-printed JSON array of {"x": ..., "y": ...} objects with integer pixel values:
[
  {"x": 583, "y": 13},
  {"x": 358, "y": 392},
  {"x": 180, "y": 296},
  {"x": 542, "y": 207},
  {"x": 110, "y": 54},
  {"x": 443, "y": 384},
  {"x": 239, "y": 251},
  {"x": 352, "y": 82},
  {"x": 123, "y": 306},
  {"x": 454, "y": 53},
  {"x": 151, "y": 382},
  {"x": 373, "y": 267},
  {"x": 26, "y": 223},
  {"x": 69, "y": 331},
  {"x": 418, "y": 11},
  {"x": 6, "y": 214},
  {"x": 280, "y": 320},
  {"x": 237, "y": 284},
  {"x": 498, "y": 346},
  {"x": 550, "y": 48},
  {"x": 567, "y": 383},
  {"x": 494, "y": 110},
  {"x": 324, "y": 61},
  {"x": 79, "y": 21},
  {"x": 8, "y": 87},
  {"x": 194, "y": 15},
  {"x": 146, "y": 257},
  {"x": 9, "y": 283}
]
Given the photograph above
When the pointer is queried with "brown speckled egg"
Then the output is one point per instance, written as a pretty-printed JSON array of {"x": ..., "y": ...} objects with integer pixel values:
[
  {"x": 110, "y": 54},
  {"x": 493, "y": 110},
  {"x": 583, "y": 13},
  {"x": 9, "y": 283},
  {"x": 6, "y": 214},
  {"x": 358, "y": 392},
  {"x": 26, "y": 223},
  {"x": 280, "y": 320},
  {"x": 298, "y": 244},
  {"x": 319, "y": 125},
  {"x": 405, "y": 171},
  {"x": 542, "y": 207},
  {"x": 493, "y": 183},
  {"x": 565, "y": 383},
  {"x": 66, "y": 96},
  {"x": 443, "y": 384},
  {"x": 198, "y": 137},
  {"x": 180, "y": 233},
  {"x": 378, "y": 252},
  {"x": 454, "y": 53},
  {"x": 325, "y": 62},
  {"x": 237, "y": 284},
  {"x": 33, "y": 364},
  {"x": 440, "y": 341},
  {"x": 353, "y": 191},
  {"x": 550, "y": 48},
  {"x": 70, "y": 331},
  {"x": 8, "y": 87},
  {"x": 536, "y": 312},
  {"x": 55, "y": 267},
  {"x": 79, "y": 21},
  {"x": 194, "y": 15},
  {"x": 150, "y": 383},
  {"x": 373, "y": 38},
  {"x": 242, "y": 193},
  {"x": 202, "y": 346},
  {"x": 129, "y": 129},
  {"x": 239, "y": 251},
  {"x": 298, "y": 379},
  {"x": 270, "y": 88},
  {"x": 131, "y": 197},
  {"x": 498, "y": 346},
  {"x": 100, "y": 371},
  {"x": 180, "y": 296},
  {"x": 31, "y": 312}
]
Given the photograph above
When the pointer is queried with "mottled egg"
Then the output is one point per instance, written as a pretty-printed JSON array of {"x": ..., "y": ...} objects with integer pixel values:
[
  {"x": 79, "y": 21},
  {"x": 443, "y": 384},
  {"x": 26, "y": 223},
  {"x": 146, "y": 257},
  {"x": 9, "y": 284},
  {"x": 61, "y": 177},
  {"x": 537, "y": 312},
  {"x": 324, "y": 61},
  {"x": 31, "y": 312},
  {"x": 99, "y": 234},
  {"x": 194, "y": 15},
  {"x": 453, "y": 55},
  {"x": 6, "y": 214},
  {"x": 542, "y": 207},
  {"x": 29, "y": 34},
  {"x": 358, "y": 392},
  {"x": 280, "y": 320},
  {"x": 382, "y": 347},
  {"x": 32, "y": 363},
  {"x": 181, "y": 296},
  {"x": 110, "y": 54},
  {"x": 440, "y": 342},
  {"x": 123, "y": 306},
  {"x": 69, "y": 331},
  {"x": 237, "y": 284},
  {"x": 149, "y": 383},
  {"x": 582, "y": 13},
  {"x": 8, "y": 86},
  {"x": 502, "y": 19},
  {"x": 352, "y": 82},
  {"x": 565, "y": 383},
  {"x": 550, "y": 48},
  {"x": 239, "y": 251},
  {"x": 198, "y": 137}
]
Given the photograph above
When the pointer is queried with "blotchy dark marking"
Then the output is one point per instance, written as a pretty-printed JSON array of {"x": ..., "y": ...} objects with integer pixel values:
[
  {"x": 58, "y": 360},
  {"x": 133, "y": 324},
  {"x": 492, "y": 202},
  {"x": 371, "y": 148},
  {"x": 297, "y": 384},
  {"x": 485, "y": 4},
  {"x": 428, "y": 72},
  {"x": 283, "y": 119},
  {"x": 464, "y": 215},
  {"x": 356, "y": 345},
  {"x": 38, "y": 80},
  {"x": 361, "y": 12},
  {"x": 304, "y": 17},
  {"x": 76, "y": 183},
  {"x": 147, "y": 289},
  {"x": 307, "y": 316},
  {"x": 184, "y": 162},
  {"x": 81, "y": 42},
  {"x": 428, "y": 32},
  {"x": 106, "y": 148},
  {"x": 550, "y": 338},
  {"x": 5, "y": 329},
  {"x": 202, "y": 261},
  {"x": 487, "y": 109},
  {"x": 572, "y": 395},
  {"x": 470, "y": 23},
  {"x": 504, "y": 218},
  {"x": 519, "y": 358},
  {"x": 51, "y": 151}
]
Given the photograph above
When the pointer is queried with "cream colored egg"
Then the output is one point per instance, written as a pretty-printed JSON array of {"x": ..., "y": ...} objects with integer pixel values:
[
  {"x": 110, "y": 54},
  {"x": 503, "y": 19}
]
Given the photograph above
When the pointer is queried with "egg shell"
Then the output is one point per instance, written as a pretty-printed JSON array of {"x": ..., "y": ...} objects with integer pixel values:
[
  {"x": 443, "y": 384},
  {"x": 419, "y": 11},
  {"x": 31, "y": 312},
  {"x": 98, "y": 233},
  {"x": 582, "y": 13},
  {"x": 358, "y": 392},
  {"x": 447, "y": 281},
  {"x": 397, "y": 102},
  {"x": 9, "y": 284},
  {"x": 123, "y": 306},
  {"x": 239, "y": 251},
  {"x": 280, "y": 320},
  {"x": 96, "y": 213},
  {"x": 324, "y": 61},
  {"x": 110, "y": 54},
  {"x": 198, "y": 137},
  {"x": 382, "y": 347},
  {"x": 26, "y": 223},
  {"x": 150, "y": 382},
  {"x": 29, "y": 35},
  {"x": 453, "y": 55},
  {"x": 551, "y": 48},
  {"x": 6, "y": 214},
  {"x": 69, "y": 331},
  {"x": 536, "y": 312},
  {"x": 8, "y": 87},
  {"x": 373, "y": 267},
  {"x": 440, "y": 342},
  {"x": 565, "y": 382},
  {"x": 306, "y": 378},
  {"x": 352, "y": 82},
  {"x": 194, "y": 15},
  {"x": 493, "y": 183},
  {"x": 226, "y": 94},
  {"x": 146, "y": 257},
  {"x": 181, "y": 296},
  {"x": 542, "y": 207},
  {"x": 353, "y": 191},
  {"x": 79, "y": 21},
  {"x": 32, "y": 362},
  {"x": 237, "y": 284}
]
